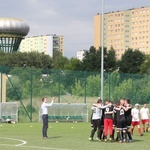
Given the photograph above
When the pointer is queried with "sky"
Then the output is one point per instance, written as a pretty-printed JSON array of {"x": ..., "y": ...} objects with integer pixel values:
[{"x": 74, "y": 19}]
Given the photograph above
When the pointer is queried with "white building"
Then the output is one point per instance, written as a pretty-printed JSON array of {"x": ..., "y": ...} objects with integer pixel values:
[
  {"x": 46, "y": 44},
  {"x": 80, "y": 54}
]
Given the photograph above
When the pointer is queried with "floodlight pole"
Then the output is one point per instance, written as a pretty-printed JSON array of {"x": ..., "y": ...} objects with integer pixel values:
[{"x": 102, "y": 53}]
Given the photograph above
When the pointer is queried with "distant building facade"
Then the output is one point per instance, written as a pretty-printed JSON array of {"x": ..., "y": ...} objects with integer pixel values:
[
  {"x": 46, "y": 44},
  {"x": 80, "y": 54},
  {"x": 123, "y": 30}
]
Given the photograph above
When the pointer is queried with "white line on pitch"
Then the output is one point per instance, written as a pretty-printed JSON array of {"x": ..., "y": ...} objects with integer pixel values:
[
  {"x": 50, "y": 148},
  {"x": 34, "y": 147},
  {"x": 22, "y": 145},
  {"x": 22, "y": 141}
]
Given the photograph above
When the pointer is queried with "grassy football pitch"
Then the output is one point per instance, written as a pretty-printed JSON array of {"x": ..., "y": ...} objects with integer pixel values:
[{"x": 62, "y": 136}]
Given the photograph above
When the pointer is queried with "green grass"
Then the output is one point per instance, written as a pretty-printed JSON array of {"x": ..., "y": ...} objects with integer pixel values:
[{"x": 63, "y": 136}]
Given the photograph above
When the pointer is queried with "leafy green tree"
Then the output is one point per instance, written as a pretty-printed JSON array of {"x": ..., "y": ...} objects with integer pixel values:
[
  {"x": 13, "y": 92},
  {"x": 145, "y": 66},
  {"x": 92, "y": 60},
  {"x": 93, "y": 85},
  {"x": 32, "y": 59},
  {"x": 21, "y": 81},
  {"x": 110, "y": 60},
  {"x": 78, "y": 90},
  {"x": 123, "y": 90},
  {"x": 59, "y": 61},
  {"x": 131, "y": 61},
  {"x": 73, "y": 64}
]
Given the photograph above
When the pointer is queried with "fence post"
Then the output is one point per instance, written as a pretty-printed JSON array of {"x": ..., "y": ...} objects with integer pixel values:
[
  {"x": 59, "y": 71},
  {"x": 85, "y": 88},
  {"x": 132, "y": 95},
  {"x": 18, "y": 96},
  {"x": 1, "y": 83}
]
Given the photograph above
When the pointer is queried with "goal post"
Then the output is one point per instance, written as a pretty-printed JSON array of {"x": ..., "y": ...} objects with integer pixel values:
[
  {"x": 9, "y": 110},
  {"x": 76, "y": 112}
]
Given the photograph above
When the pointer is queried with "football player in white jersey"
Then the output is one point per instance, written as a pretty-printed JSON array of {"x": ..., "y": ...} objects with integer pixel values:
[
  {"x": 145, "y": 117},
  {"x": 96, "y": 120},
  {"x": 136, "y": 119}
]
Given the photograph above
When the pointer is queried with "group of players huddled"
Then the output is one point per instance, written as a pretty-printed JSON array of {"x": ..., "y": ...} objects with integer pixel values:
[{"x": 120, "y": 117}]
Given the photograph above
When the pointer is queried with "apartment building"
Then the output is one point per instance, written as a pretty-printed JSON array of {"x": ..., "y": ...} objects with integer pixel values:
[
  {"x": 123, "y": 30},
  {"x": 80, "y": 54},
  {"x": 44, "y": 44}
]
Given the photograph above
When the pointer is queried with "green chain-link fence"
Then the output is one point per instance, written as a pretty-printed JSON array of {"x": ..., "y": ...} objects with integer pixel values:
[{"x": 29, "y": 85}]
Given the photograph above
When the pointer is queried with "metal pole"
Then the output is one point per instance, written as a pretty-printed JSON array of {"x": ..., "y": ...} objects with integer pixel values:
[
  {"x": 59, "y": 86},
  {"x": 102, "y": 53},
  {"x": 109, "y": 84},
  {"x": 1, "y": 84},
  {"x": 132, "y": 90},
  {"x": 31, "y": 92},
  {"x": 85, "y": 88}
]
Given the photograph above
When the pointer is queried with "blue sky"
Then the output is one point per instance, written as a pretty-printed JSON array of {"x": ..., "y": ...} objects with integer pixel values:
[{"x": 71, "y": 18}]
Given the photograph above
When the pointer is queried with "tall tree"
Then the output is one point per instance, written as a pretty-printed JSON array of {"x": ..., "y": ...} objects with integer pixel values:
[
  {"x": 110, "y": 60},
  {"x": 131, "y": 61},
  {"x": 92, "y": 60}
]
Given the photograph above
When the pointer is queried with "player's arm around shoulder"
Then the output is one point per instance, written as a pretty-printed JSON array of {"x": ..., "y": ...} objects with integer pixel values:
[
  {"x": 97, "y": 105},
  {"x": 118, "y": 108},
  {"x": 110, "y": 112}
]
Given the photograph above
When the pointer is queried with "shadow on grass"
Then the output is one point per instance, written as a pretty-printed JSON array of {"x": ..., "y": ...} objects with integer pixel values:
[
  {"x": 135, "y": 140},
  {"x": 54, "y": 137}
]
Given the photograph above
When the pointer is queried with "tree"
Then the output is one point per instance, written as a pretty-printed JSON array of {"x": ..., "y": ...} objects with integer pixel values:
[
  {"x": 32, "y": 59},
  {"x": 89, "y": 61},
  {"x": 92, "y": 60},
  {"x": 59, "y": 61},
  {"x": 110, "y": 63},
  {"x": 145, "y": 67},
  {"x": 78, "y": 89},
  {"x": 73, "y": 64},
  {"x": 131, "y": 61}
]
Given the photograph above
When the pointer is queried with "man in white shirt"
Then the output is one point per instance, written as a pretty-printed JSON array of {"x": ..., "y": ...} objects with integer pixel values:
[
  {"x": 145, "y": 116},
  {"x": 96, "y": 119},
  {"x": 136, "y": 119},
  {"x": 44, "y": 109}
]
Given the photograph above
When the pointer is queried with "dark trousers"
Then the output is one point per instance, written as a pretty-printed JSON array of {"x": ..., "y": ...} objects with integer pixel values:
[
  {"x": 96, "y": 125},
  {"x": 45, "y": 125}
]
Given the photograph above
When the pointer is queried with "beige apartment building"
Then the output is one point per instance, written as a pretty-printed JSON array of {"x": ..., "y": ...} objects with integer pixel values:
[
  {"x": 123, "y": 30},
  {"x": 44, "y": 43}
]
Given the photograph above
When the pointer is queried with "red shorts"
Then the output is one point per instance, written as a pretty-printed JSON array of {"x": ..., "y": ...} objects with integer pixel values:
[
  {"x": 108, "y": 126},
  {"x": 135, "y": 123},
  {"x": 144, "y": 121}
]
